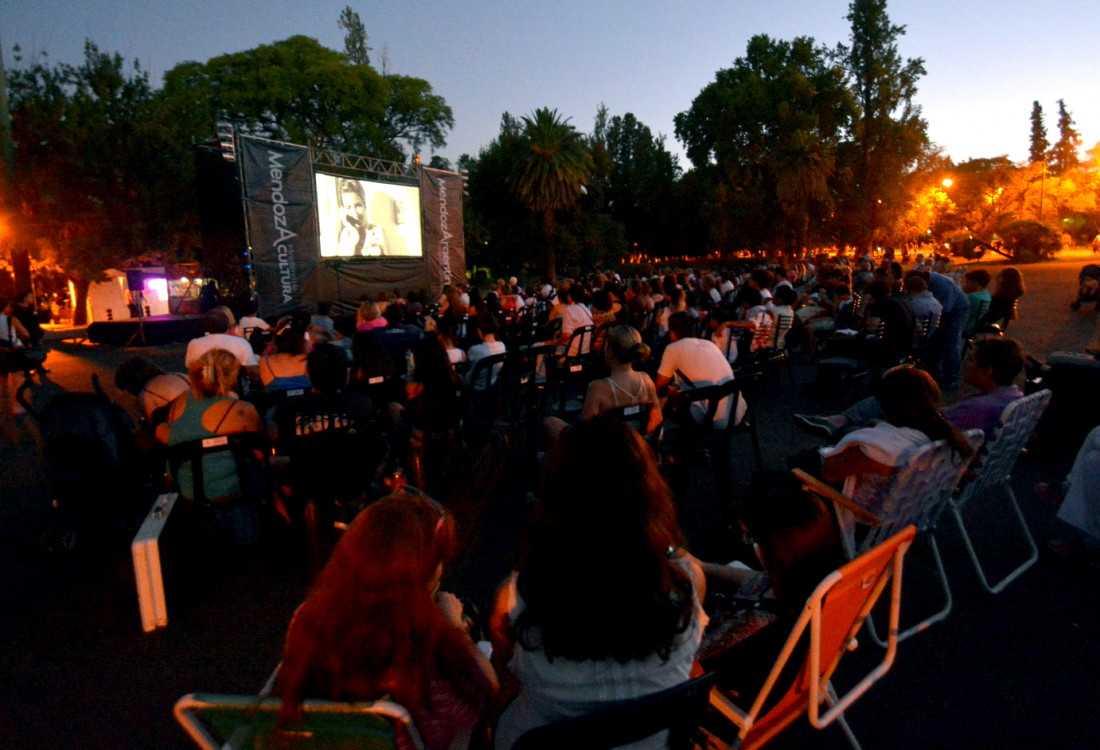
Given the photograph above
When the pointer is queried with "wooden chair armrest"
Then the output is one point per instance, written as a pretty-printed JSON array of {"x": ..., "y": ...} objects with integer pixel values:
[{"x": 816, "y": 486}]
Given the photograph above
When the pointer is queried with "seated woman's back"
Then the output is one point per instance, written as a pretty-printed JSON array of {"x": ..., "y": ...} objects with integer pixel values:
[
  {"x": 286, "y": 368},
  {"x": 209, "y": 409},
  {"x": 601, "y": 608},
  {"x": 377, "y": 626}
]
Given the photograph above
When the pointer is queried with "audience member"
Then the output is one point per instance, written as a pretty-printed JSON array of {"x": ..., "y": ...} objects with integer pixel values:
[
  {"x": 974, "y": 285},
  {"x": 209, "y": 409},
  {"x": 154, "y": 389},
  {"x": 1078, "y": 501},
  {"x": 376, "y": 625},
  {"x": 285, "y": 369},
  {"x": 604, "y": 605},
  {"x": 216, "y": 324},
  {"x": 992, "y": 367}
]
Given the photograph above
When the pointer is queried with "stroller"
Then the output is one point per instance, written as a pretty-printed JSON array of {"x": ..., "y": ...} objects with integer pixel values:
[
  {"x": 1088, "y": 289},
  {"x": 96, "y": 469}
]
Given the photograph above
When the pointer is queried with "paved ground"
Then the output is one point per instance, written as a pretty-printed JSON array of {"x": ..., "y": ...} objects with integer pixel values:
[{"x": 76, "y": 671}]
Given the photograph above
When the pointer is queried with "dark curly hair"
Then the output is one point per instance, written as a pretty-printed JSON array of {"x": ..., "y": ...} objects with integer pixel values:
[{"x": 596, "y": 574}]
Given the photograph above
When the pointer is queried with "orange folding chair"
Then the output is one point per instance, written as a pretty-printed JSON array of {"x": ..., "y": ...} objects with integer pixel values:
[{"x": 831, "y": 619}]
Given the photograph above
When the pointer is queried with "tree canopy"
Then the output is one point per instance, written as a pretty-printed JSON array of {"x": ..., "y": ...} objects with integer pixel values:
[
  {"x": 552, "y": 165},
  {"x": 102, "y": 170},
  {"x": 889, "y": 134},
  {"x": 300, "y": 91},
  {"x": 770, "y": 127}
]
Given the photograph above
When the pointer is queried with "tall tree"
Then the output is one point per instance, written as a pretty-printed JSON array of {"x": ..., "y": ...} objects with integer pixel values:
[
  {"x": 102, "y": 170},
  {"x": 778, "y": 114},
  {"x": 889, "y": 134},
  {"x": 640, "y": 187},
  {"x": 355, "y": 37},
  {"x": 299, "y": 91},
  {"x": 1063, "y": 155},
  {"x": 1039, "y": 142},
  {"x": 552, "y": 165}
]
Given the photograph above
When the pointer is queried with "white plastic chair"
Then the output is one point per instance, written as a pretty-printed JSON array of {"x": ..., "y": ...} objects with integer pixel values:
[{"x": 993, "y": 468}]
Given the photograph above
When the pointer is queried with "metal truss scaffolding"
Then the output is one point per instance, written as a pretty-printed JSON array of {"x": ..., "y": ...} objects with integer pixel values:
[{"x": 364, "y": 167}]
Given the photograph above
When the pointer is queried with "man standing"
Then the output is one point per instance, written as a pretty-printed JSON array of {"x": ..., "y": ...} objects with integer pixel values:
[{"x": 945, "y": 350}]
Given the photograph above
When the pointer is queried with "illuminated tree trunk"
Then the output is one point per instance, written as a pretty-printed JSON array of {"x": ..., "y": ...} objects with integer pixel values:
[{"x": 80, "y": 304}]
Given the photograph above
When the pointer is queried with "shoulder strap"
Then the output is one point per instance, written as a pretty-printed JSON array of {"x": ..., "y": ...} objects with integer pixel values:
[{"x": 232, "y": 405}]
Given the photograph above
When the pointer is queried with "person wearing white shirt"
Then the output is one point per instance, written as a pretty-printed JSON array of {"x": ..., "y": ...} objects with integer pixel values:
[{"x": 216, "y": 324}]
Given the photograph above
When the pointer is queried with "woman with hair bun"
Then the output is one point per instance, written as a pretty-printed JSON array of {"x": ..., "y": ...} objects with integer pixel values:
[
  {"x": 376, "y": 625},
  {"x": 209, "y": 409},
  {"x": 624, "y": 386}
]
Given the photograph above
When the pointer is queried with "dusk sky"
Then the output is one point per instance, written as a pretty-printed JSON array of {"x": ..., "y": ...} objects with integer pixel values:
[{"x": 986, "y": 61}]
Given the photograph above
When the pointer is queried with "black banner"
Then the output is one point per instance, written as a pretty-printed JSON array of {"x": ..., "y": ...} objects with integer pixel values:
[
  {"x": 444, "y": 239},
  {"x": 282, "y": 221}
]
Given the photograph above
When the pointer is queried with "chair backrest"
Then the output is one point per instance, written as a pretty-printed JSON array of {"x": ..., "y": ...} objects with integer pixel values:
[
  {"x": 580, "y": 341},
  {"x": 678, "y": 709},
  {"x": 923, "y": 330},
  {"x": 926, "y": 480},
  {"x": 782, "y": 327},
  {"x": 236, "y": 722},
  {"x": 486, "y": 371},
  {"x": 714, "y": 395},
  {"x": 763, "y": 335},
  {"x": 242, "y": 446},
  {"x": 831, "y": 619},
  {"x": 994, "y": 463},
  {"x": 257, "y": 338},
  {"x": 635, "y": 415}
]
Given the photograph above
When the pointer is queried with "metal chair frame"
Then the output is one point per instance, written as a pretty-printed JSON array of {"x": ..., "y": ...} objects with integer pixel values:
[
  {"x": 832, "y": 618},
  {"x": 915, "y": 497},
  {"x": 993, "y": 469},
  {"x": 324, "y": 723}
]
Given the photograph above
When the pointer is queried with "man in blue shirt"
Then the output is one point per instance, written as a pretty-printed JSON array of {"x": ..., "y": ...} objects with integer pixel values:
[{"x": 945, "y": 347}]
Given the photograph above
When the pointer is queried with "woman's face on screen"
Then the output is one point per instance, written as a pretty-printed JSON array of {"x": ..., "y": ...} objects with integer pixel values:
[{"x": 353, "y": 207}]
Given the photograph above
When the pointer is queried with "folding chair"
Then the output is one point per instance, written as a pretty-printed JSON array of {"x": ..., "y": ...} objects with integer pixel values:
[
  {"x": 830, "y": 620},
  {"x": 236, "y": 722},
  {"x": 678, "y": 709},
  {"x": 993, "y": 470},
  {"x": 914, "y": 497}
]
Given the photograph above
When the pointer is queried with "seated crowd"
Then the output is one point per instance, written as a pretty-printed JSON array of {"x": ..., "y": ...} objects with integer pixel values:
[{"x": 605, "y": 602}]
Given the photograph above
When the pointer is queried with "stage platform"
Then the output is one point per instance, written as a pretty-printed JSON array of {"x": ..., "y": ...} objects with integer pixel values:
[{"x": 159, "y": 329}]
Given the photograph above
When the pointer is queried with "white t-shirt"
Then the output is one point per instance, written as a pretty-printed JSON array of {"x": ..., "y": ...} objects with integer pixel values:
[
  {"x": 7, "y": 333},
  {"x": 482, "y": 350},
  {"x": 235, "y": 345},
  {"x": 574, "y": 316},
  {"x": 703, "y": 364}
]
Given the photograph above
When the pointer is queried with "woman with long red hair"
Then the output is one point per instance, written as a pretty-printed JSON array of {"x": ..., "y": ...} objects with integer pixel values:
[{"x": 376, "y": 625}]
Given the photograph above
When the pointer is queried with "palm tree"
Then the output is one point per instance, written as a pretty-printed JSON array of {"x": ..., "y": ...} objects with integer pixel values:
[{"x": 552, "y": 165}]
